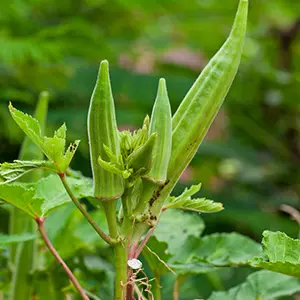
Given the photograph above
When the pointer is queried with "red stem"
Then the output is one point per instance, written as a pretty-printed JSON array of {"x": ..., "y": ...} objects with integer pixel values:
[
  {"x": 41, "y": 228},
  {"x": 144, "y": 242}
]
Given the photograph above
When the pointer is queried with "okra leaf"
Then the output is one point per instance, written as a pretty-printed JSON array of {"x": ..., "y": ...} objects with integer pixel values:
[
  {"x": 226, "y": 249},
  {"x": 22, "y": 196},
  {"x": 202, "y": 255},
  {"x": 156, "y": 255},
  {"x": 175, "y": 227},
  {"x": 52, "y": 147},
  {"x": 12, "y": 171},
  {"x": 11, "y": 239},
  {"x": 185, "y": 202},
  {"x": 260, "y": 285},
  {"x": 40, "y": 198},
  {"x": 281, "y": 254}
]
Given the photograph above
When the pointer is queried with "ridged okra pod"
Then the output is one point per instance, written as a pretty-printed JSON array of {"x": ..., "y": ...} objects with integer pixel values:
[
  {"x": 102, "y": 130},
  {"x": 201, "y": 104},
  {"x": 161, "y": 124}
]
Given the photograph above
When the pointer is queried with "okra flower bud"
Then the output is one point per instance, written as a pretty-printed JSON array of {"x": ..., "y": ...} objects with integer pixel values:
[{"x": 102, "y": 130}]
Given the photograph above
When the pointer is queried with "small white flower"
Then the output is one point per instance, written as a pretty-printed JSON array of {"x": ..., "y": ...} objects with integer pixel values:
[{"x": 134, "y": 264}]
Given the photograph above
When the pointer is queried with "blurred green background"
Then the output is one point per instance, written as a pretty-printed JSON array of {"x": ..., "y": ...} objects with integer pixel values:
[{"x": 250, "y": 159}]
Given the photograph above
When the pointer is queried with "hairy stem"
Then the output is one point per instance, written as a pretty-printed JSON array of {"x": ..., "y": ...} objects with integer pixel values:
[
  {"x": 40, "y": 223},
  {"x": 104, "y": 236}
]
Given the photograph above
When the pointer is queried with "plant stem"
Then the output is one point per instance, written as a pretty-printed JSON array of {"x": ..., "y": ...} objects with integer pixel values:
[
  {"x": 40, "y": 223},
  {"x": 104, "y": 236},
  {"x": 121, "y": 271},
  {"x": 177, "y": 283},
  {"x": 157, "y": 288},
  {"x": 176, "y": 289},
  {"x": 144, "y": 242},
  {"x": 120, "y": 249}
]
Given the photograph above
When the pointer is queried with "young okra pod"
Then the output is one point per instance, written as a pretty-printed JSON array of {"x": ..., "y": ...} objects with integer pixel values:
[
  {"x": 102, "y": 130},
  {"x": 161, "y": 123},
  {"x": 201, "y": 104}
]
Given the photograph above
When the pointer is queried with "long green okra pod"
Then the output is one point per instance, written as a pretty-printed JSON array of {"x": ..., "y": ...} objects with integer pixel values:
[
  {"x": 102, "y": 130},
  {"x": 23, "y": 255},
  {"x": 161, "y": 124},
  {"x": 201, "y": 104}
]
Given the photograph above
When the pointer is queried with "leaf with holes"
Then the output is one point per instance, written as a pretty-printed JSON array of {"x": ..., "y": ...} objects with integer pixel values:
[{"x": 52, "y": 147}]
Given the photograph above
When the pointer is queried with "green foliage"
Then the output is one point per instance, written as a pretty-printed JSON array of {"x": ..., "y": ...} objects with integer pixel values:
[
  {"x": 263, "y": 285},
  {"x": 249, "y": 160},
  {"x": 6, "y": 240},
  {"x": 53, "y": 148},
  {"x": 40, "y": 198},
  {"x": 281, "y": 254},
  {"x": 185, "y": 202},
  {"x": 12, "y": 171}
]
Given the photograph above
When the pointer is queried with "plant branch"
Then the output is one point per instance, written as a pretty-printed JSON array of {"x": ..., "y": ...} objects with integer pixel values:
[
  {"x": 40, "y": 223},
  {"x": 104, "y": 236},
  {"x": 144, "y": 242}
]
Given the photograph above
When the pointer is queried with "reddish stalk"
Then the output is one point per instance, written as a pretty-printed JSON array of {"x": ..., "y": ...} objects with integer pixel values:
[
  {"x": 143, "y": 243},
  {"x": 41, "y": 228}
]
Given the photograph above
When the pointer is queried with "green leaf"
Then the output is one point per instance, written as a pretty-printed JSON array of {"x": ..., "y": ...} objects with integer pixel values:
[
  {"x": 10, "y": 239},
  {"x": 227, "y": 249},
  {"x": 54, "y": 147},
  {"x": 12, "y": 171},
  {"x": 202, "y": 255},
  {"x": 22, "y": 196},
  {"x": 282, "y": 254},
  {"x": 262, "y": 285},
  {"x": 157, "y": 259},
  {"x": 175, "y": 227},
  {"x": 40, "y": 198},
  {"x": 184, "y": 201}
]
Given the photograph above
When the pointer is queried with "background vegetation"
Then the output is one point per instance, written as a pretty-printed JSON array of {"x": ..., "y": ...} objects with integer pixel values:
[{"x": 250, "y": 159}]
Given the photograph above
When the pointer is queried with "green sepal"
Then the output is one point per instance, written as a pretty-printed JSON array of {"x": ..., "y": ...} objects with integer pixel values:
[{"x": 141, "y": 159}]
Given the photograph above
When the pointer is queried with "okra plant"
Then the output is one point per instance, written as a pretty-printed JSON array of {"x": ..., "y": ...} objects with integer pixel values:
[{"x": 134, "y": 174}]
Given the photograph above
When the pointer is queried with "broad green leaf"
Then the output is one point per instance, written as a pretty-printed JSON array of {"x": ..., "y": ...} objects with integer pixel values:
[
  {"x": 157, "y": 259},
  {"x": 185, "y": 202},
  {"x": 12, "y": 171},
  {"x": 282, "y": 254},
  {"x": 226, "y": 249},
  {"x": 202, "y": 255},
  {"x": 10, "y": 239},
  {"x": 40, "y": 198},
  {"x": 52, "y": 147},
  {"x": 192, "y": 268},
  {"x": 78, "y": 233},
  {"x": 262, "y": 285},
  {"x": 175, "y": 227},
  {"x": 22, "y": 196}
]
